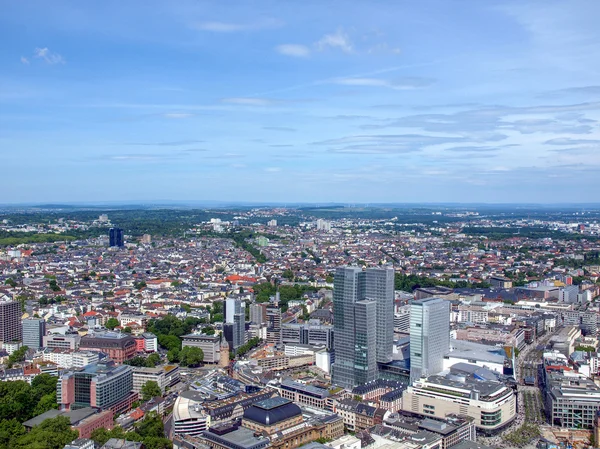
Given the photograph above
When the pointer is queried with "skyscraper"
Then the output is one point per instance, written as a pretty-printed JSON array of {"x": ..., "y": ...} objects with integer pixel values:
[
  {"x": 429, "y": 336},
  {"x": 363, "y": 308},
  {"x": 235, "y": 315},
  {"x": 34, "y": 330},
  {"x": 116, "y": 237},
  {"x": 10, "y": 321},
  {"x": 380, "y": 288}
]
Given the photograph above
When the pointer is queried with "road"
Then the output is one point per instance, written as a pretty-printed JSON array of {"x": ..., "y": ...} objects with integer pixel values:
[{"x": 529, "y": 400}]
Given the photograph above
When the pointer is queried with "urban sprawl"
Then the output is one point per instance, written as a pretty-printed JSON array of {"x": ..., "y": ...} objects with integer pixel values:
[{"x": 320, "y": 328}]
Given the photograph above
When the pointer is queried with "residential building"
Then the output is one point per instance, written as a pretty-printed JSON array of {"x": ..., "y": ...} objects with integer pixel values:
[
  {"x": 10, "y": 321},
  {"x": 429, "y": 336},
  {"x": 65, "y": 359}
]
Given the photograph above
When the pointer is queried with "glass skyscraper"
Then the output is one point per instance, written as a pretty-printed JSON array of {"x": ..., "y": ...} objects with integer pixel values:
[
  {"x": 363, "y": 309},
  {"x": 429, "y": 336},
  {"x": 115, "y": 237}
]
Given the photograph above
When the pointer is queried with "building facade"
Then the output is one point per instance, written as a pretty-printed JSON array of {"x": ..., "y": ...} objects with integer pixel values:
[
  {"x": 363, "y": 323},
  {"x": 429, "y": 336},
  {"x": 34, "y": 330},
  {"x": 10, "y": 321}
]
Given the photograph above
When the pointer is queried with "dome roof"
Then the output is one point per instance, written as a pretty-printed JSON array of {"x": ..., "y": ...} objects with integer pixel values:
[{"x": 272, "y": 411}]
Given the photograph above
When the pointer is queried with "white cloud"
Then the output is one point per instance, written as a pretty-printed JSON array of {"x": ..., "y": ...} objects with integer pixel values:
[
  {"x": 49, "y": 57},
  {"x": 298, "y": 51},
  {"x": 177, "y": 115},
  {"x": 248, "y": 101},
  {"x": 24, "y": 60},
  {"x": 401, "y": 84},
  {"x": 230, "y": 27},
  {"x": 339, "y": 40}
]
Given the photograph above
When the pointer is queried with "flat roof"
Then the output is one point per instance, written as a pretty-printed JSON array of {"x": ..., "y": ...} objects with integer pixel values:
[{"x": 271, "y": 403}]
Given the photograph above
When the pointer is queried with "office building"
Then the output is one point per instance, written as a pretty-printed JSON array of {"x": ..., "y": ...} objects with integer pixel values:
[
  {"x": 380, "y": 288},
  {"x": 258, "y": 313},
  {"x": 571, "y": 400},
  {"x": 34, "y": 330},
  {"x": 429, "y": 336},
  {"x": 59, "y": 341},
  {"x": 235, "y": 316},
  {"x": 363, "y": 307},
  {"x": 141, "y": 375},
  {"x": 118, "y": 346},
  {"x": 311, "y": 333},
  {"x": 274, "y": 325},
  {"x": 10, "y": 322},
  {"x": 116, "y": 237},
  {"x": 210, "y": 345},
  {"x": 102, "y": 385}
]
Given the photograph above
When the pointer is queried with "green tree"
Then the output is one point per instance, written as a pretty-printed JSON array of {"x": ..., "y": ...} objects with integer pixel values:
[
  {"x": 127, "y": 330},
  {"x": 111, "y": 323},
  {"x": 17, "y": 356},
  {"x": 173, "y": 355},
  {"x": 153, "y": 360},
  {"x": 150, "y": 390},
  {"x": 10, "y": 282},
  {"x": 53, "y": 433},
  {"x": 47, "y": 402},
  {"x": 191, "y": 356}
]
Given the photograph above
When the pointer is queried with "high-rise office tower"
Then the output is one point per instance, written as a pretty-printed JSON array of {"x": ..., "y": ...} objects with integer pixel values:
[
  {"x": 235, "y": 315},
  {"x": 380, "y": 288},
  {"x": 274, "y": 325},
  {"x": 116, "y": 237},
  {"x": 34, "y": 330},
  {"x": 10, "y": 321},
  {"x": 429, "y": 336},
  {"x": 258, "y": 313},
  {"x": 363, "y": 309}
]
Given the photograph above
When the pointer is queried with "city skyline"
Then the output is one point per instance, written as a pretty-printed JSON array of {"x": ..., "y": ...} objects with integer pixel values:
[{"x": 387, "y": 102}]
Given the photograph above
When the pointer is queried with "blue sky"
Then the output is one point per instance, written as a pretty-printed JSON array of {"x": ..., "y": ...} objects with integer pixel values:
[{"x": 316, "y": 101}]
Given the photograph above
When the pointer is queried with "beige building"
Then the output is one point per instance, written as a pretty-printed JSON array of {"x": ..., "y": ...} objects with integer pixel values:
[{"x": 490, "y": 403}]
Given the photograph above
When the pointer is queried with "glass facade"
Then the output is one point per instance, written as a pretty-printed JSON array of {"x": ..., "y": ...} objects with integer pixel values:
[
  {"x": 429, "y": 336},
  {"x": 363, "y": 306}
]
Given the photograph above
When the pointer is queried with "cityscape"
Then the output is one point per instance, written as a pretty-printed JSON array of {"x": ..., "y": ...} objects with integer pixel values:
[
  {"x": 320, "y": 327},
  {"x": 342, "y": 224}
]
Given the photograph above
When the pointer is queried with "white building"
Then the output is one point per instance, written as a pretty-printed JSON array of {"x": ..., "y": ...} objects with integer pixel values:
[{"x": 141, "y": 375}]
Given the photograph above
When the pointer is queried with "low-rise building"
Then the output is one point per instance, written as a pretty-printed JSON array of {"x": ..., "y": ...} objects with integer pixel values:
[
  {"x": 210, "y": 345},
  {"x": 141, "y": 375}
]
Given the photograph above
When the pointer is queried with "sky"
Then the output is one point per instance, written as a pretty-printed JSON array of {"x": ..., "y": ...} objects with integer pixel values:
[{"x": 300, "y": 101}]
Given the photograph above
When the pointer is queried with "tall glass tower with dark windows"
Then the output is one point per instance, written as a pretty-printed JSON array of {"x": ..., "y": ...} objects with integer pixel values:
[
  {"x": 115, "y": 236},
  {"x": 429, "y": 336},
  {"x": 363, "y": 311}
]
